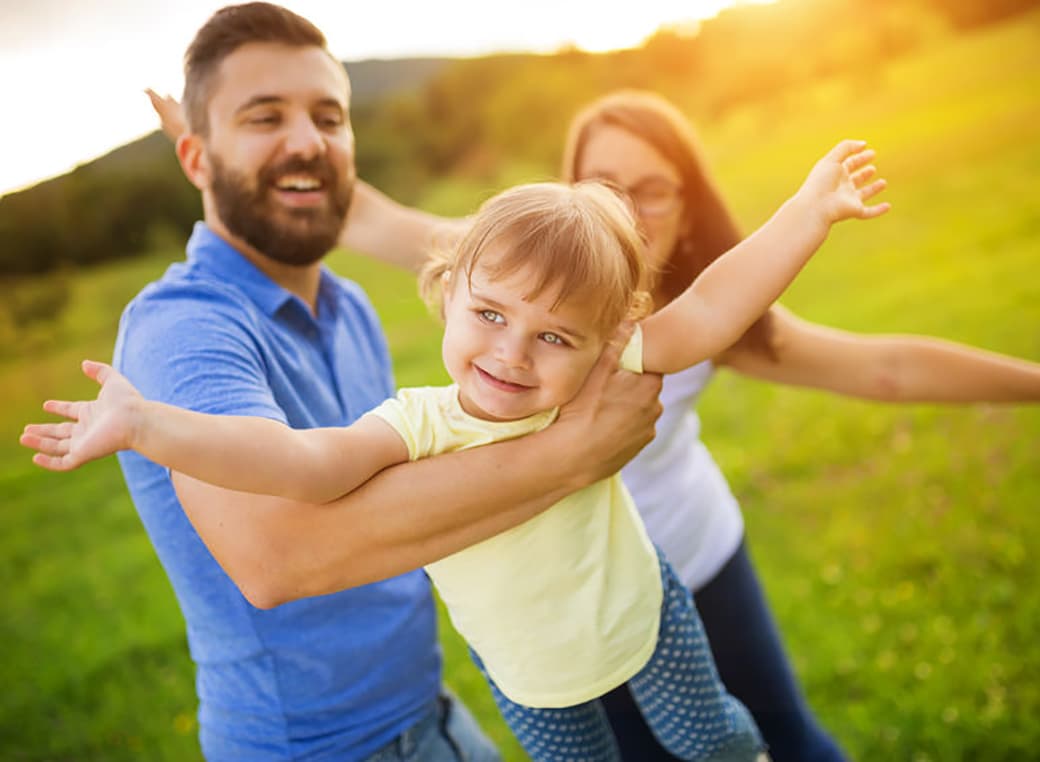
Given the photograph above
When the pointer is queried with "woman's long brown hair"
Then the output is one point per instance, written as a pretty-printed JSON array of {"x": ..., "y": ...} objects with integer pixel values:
[{"x": 708, "y": 228}]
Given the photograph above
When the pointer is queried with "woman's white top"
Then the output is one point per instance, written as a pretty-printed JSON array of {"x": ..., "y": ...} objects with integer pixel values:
[{"x": 685, "y": 502}]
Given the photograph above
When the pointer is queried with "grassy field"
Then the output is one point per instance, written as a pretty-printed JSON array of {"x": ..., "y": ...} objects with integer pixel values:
[{"x": 896, "y": 542}]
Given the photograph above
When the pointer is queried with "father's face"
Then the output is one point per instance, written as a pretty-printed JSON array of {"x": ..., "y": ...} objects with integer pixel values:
[{"x": 280, "y": 152}]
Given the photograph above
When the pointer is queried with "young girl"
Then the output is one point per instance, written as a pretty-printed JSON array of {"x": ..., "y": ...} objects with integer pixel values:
[{"x": 575, "y": 601}]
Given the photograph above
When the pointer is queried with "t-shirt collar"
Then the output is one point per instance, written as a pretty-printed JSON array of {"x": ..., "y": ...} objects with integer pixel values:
[{"x": 207, "y": 249}]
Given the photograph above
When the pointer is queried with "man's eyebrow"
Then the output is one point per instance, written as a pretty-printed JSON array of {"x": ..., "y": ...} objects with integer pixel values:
[
  {"x": 259, "y": 100},
  {"x": 267, "y": 100}
]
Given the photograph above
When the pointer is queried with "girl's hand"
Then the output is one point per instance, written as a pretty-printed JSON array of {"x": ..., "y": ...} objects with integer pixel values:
[
  {"x": 94, "y": 429},
  {"x": 170, "y": 114},
  {"x": 841, "y": 182}
]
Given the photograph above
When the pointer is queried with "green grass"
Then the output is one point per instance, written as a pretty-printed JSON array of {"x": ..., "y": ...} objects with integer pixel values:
[{"x": 896, "y": 543}]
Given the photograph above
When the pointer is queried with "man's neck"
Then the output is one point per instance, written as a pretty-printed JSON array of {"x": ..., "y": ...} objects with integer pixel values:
[{"x": 303, "y": 281}]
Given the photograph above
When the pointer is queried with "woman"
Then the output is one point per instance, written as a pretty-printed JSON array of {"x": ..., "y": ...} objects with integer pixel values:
[{"x": 643, "y": 144}]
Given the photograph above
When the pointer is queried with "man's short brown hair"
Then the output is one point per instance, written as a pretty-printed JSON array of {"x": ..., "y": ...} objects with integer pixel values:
[{"x": 227, "y": 30}]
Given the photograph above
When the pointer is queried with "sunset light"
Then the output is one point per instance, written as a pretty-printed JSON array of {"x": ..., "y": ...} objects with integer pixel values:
[{"x": 91, "y": 62}]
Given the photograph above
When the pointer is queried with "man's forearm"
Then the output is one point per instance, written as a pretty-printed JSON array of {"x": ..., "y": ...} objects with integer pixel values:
[{"x": 407, "y": 516}]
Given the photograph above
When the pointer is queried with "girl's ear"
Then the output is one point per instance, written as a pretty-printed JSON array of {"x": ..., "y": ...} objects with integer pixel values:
[{"x": 447, "y": 290}]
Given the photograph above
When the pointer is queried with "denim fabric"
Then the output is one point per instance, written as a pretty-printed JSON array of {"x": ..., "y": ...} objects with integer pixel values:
[
  {"x": 446, "y": 733},
  {"x": 678, "y": 692},
  {"x": 753, "y": 666}
]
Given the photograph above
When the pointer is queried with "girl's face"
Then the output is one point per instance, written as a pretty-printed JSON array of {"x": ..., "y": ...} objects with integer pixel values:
[
  {"x": 513, "y": 357},
  {"x": 653, "y": 184}
]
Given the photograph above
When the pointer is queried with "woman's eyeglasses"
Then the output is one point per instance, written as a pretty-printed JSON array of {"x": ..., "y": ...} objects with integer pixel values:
[{"x": 650, "y": 197}]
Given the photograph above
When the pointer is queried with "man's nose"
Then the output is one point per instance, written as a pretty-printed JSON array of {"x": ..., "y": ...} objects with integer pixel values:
[{"x": 304, "y": 139}]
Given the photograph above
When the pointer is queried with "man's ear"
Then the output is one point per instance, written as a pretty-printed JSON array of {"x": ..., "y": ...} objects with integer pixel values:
[{"x": 193, "y": 160}]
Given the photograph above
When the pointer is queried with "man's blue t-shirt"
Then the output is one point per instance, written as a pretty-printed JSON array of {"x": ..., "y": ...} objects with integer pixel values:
[{"x": 330, "y": 677}]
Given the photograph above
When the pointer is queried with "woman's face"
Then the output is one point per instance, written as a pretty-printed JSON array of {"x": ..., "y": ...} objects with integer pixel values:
[{"x": 654, "y": 185}]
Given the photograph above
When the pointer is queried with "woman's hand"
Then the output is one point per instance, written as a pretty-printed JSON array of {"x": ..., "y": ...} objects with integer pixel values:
[
  {"x": 171, "y": 115},
  {"x": 95, "y": 429},
  {"x": 841, "y": 182}
]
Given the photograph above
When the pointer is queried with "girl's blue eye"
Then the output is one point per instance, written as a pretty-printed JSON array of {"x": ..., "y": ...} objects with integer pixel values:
[
  {"x": 553, "y": 338},
  {"x": 491, "y": 316}
]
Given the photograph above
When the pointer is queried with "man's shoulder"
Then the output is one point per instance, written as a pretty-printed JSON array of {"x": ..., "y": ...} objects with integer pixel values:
[
  {"x": 180, "y": 310},
  {"x": 182, "y": 298},
  {"x": 182, "y": 283}
]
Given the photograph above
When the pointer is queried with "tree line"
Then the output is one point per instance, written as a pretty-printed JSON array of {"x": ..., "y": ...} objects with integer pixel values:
[{"x": 468, "y": 115}]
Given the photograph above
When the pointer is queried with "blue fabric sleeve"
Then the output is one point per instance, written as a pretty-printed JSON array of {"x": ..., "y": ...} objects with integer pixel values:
[{"x": 196, "y": 348}]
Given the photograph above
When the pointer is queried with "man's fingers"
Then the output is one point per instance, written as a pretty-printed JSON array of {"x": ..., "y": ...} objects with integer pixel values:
[{"x": 610, "y": 357}]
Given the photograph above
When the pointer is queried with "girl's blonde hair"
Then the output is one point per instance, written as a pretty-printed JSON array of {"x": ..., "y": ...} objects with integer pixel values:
[{"x": 579, "y": 240}]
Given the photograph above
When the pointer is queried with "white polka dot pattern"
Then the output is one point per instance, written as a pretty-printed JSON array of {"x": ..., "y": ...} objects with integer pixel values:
[{"x": 678, "y": 692}]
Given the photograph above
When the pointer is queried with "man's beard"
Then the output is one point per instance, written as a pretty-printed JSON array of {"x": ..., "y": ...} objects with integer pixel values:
[{"x": 292, "y": 236}]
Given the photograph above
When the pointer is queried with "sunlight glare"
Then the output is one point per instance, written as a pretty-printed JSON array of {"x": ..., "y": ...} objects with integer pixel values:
[{"x": 628, "y": 26}]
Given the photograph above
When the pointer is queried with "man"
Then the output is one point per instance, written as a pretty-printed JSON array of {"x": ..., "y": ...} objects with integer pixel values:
[{"x": 252, "y": 324}]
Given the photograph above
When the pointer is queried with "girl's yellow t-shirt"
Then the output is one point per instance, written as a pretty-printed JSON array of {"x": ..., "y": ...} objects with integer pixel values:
[{"x": 567, "y": 605}]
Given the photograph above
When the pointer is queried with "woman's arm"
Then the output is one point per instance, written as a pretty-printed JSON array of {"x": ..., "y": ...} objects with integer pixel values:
[
  {"x": 739, "y": 286},
  {"x": 885, "y": 367},
  {"x": 243, "y": 453},
  {"x": 379, "y": 227},
  {"x": 376, "y": 226}
]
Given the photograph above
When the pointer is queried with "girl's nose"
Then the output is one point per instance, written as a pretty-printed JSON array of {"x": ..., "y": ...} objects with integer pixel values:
[{"x": 512, "y": 352}]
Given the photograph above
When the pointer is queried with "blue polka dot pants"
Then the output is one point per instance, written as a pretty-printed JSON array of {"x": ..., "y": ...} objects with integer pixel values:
[{"x": 678, "y": 692}]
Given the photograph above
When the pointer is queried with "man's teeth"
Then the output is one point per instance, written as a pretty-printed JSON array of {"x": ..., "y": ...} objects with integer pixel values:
[{"x": 298, "y": 183}]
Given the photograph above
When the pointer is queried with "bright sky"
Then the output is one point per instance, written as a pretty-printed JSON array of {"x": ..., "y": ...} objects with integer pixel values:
[{"x": 74, "y": 72}]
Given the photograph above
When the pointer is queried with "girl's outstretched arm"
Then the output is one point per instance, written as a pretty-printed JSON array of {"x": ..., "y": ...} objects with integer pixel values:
[
  {"x": 739, "y": 286},
  {"x": 242, "y": 453}
]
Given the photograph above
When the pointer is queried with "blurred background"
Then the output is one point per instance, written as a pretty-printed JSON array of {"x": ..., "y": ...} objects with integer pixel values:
[{"x": 897, "y": 544}]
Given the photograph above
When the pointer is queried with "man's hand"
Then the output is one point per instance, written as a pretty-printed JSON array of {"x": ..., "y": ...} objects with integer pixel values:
[
  {"x": 95, "y": 429},
  {"x": 613, "y": 416}
]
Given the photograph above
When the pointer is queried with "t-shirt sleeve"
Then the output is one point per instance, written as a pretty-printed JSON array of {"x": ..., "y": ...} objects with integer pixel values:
[
  {"x": 410, "y": 415},
  {"x": 632, "y": 355},
  {"x": 196, "y": 349}
]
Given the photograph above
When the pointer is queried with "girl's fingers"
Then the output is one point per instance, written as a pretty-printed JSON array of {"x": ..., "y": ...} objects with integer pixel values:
[
  {"x": 845, "y": 149},
  {"x": 873, "y": 189},
  {"x": 869, "y": 212},
  {"x": 860, "y": 177},
  {"x": 50, "y": 430},
  {"x": 858, "y": 159},
  {"x": 98, "y": 371},
  {"x": 63, "y": 407},
  {"x": 52, "y": 462},
  {"x": 45, "y": 445}
]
